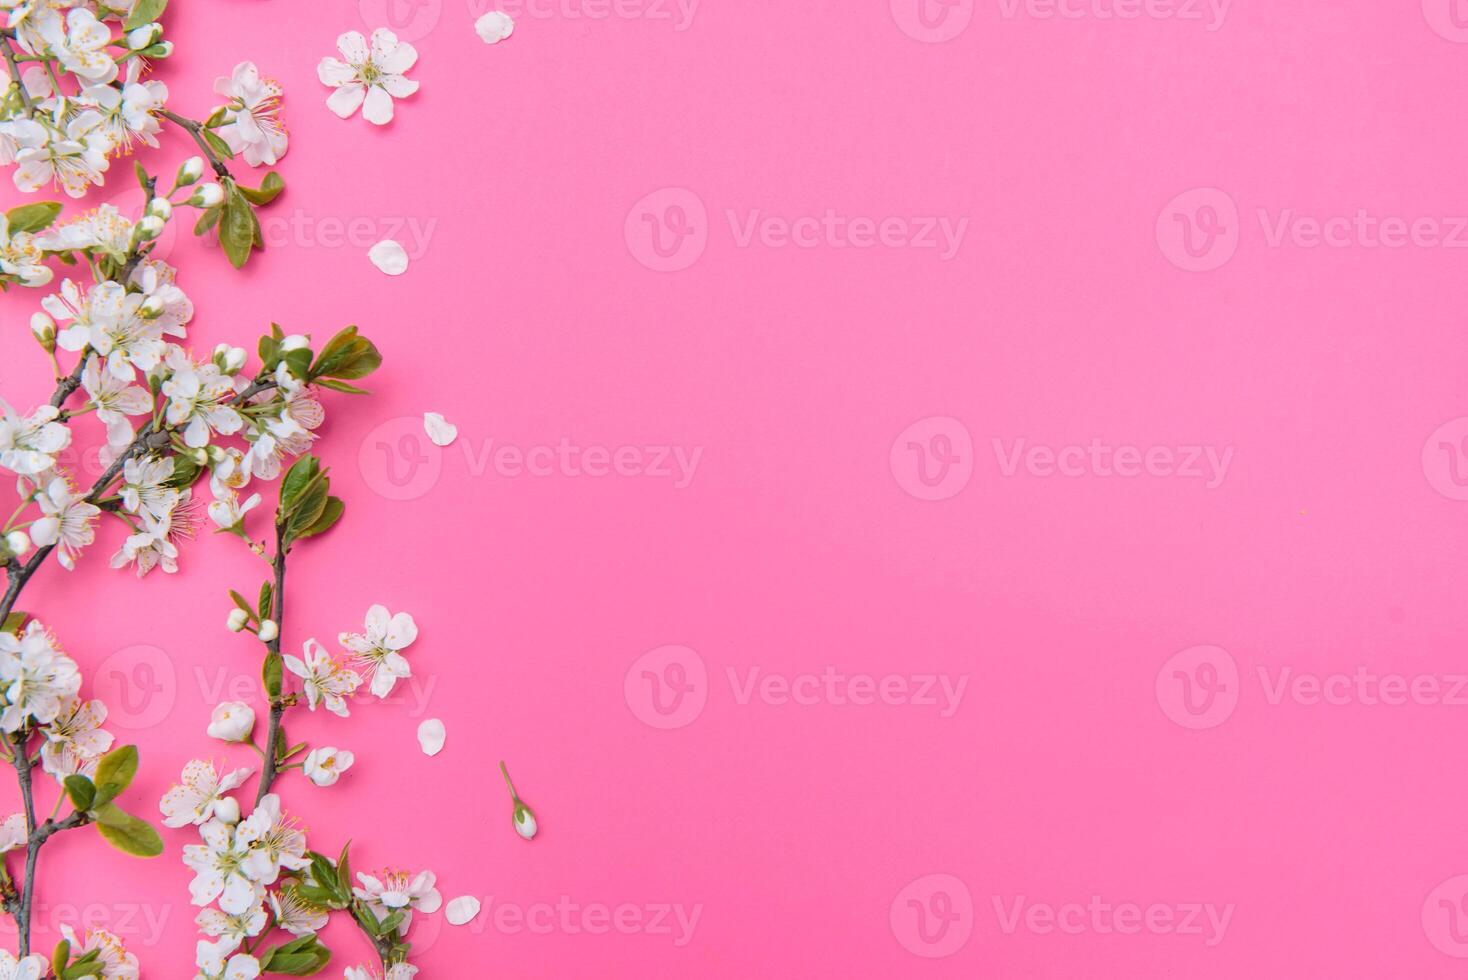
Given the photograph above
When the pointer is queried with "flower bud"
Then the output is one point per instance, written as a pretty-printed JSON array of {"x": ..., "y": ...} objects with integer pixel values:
[
  {"x": 295, "y": 341},
  {"x": 151, "y": 307},
  {"x": 162, "y": 49},
  {"x": 237, "y": 620},
  {"x": 232, "y": 721},
  {"x": 525, "y": 824},
  {"x": 17, "y": 543},
  {"x": 149, "y": 228},
  {"x": 191, "y": 170},
  {"x": 234, "y": 359},
  {"x": 200, "y": 457},
  {"x": 207, "y": 196},
  {"x": 268, "y": 630},
  {"x": 227, "y": 810},
  {"x": 45, "y": 330},
  {"x": 141, "y": 37},
  {"x": 160, "y": 207}
]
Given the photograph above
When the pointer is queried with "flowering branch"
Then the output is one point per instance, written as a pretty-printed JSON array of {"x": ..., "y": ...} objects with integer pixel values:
[
  {"x": 6, "y": 36},
  {"x": 197, "y": 130}
]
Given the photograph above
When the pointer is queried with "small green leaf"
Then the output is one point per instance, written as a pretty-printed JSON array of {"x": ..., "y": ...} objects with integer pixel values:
[
  {"x": 59, "y": 956},
  {"x": 330, "y": 514},
  {"x": 341, "y": 386},
  {"x": 298, "y": 958},
  {"x": 208, "y": 219},
  {"x": 236, "y": 227},
  {"x": 218, "y": 145},
  {"x": 115, "y": 773},
  {"x": 126, "y": 832},
  {"x": 81, "y": 791},
  {"x": 32, "y": 217},
  {"x": 242, "y": 602},
  {"x": 268, "y": 191},
  {"x": 14, "y": 622},
  {"x": 271, "y": 674},
  {"x": 347, "y": 356},
  {"x": 146, "y": 12},
  {"x": 266, "y": 594}
]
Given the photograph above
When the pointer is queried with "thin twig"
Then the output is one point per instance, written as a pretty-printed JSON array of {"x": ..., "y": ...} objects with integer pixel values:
[
  {"x": 196, "y": 129},
  {"x": 277, "y": 703},
  {"x": 25, "y": 97}
]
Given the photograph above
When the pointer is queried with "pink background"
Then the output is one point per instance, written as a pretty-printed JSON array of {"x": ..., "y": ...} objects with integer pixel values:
[{"x": 795, "y": 829}]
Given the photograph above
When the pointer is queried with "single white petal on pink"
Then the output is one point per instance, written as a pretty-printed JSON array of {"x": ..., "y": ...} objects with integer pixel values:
[
  {"x": 494, "y": 27},
  {"x": 389, "y": 257},
  {"x": 461, "y": 910},
  {"x": 441, "y": 431},
  {"x": 431, "y": 736}
]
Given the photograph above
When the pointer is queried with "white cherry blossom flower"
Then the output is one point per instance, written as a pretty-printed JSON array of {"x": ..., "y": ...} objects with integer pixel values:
[
  {"x": 31, "y": 967},
  {"x": 325, "y": 765},
  {"x": 145, "y": 487},
  {"x": 114, "y": 400},
  {"x": 103, "y": 228},
  {"x": 198, "y": 797},
  {"x": 198, "y": 399},
  {"x": 156, "y": 279},
  {"x": 215, "y": 962},
  {"x": 232, "y": 721},
  {"x": 73, "y": 158},
  {"x": 81, "y": 46},
  {"x": 295, "y": 914},
  {"x": 253, "y": 128},
  {"x": 127, "y": 111},
  {"x": 233, "y": 929},
  {"x": 368, "y": 77},
  {"x": 148, "y": 549},
  {"x": 13, "y": 833},
  {"x": 67, "y": 522},
  {"x": 391, "y": 891},
  {"x": 109, "y": 319},
  {"x": 398, "y": 971},
  {"x": 274, "y": 840},
  {"x": 379, "y": 650},
  {"x": 29, "y": 443},
  {"x": 20, "y": 256},
  {"x": 36, "y": 679},
  {"x": 114, "y": 962},
  {"x": 327, "y": 680},
  {"x": 219, "y": 866},
  {"x": 75, "y": 740},
  {"x": 228, "y": 512}
]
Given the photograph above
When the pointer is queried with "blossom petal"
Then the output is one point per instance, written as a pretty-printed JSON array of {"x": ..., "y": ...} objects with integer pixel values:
[
  {"x": 378, "y": 109},
  {"x": 345, "y": 100}
]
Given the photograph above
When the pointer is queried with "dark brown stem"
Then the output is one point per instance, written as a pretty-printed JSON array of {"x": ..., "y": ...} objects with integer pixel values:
[
  {"x": 196, "y": 129},
  {"x": 20, "y": 905},
  {"x": 277, "y": 704}
]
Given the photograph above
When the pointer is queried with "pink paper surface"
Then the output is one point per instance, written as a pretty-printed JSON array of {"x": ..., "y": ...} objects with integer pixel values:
[{"x": 1097, "y": 359}]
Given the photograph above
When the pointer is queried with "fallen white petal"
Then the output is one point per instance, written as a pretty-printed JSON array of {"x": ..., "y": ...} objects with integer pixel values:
[
  {"x": 494, "y": 27},
  {"x": 389, "y": 256},
  {"x": 431, "y": 735},
  {"x": 461, "y": 910},
  {"x": 439, "y": 429}
]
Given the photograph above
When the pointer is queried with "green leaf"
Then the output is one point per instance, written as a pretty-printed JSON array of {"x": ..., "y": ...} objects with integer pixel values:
[
  {"x": 266, "y": 594},
  {"x": 14, "y": 622},
  {"x": 115, "y": 773},
  {"x": 269, "y": 350},
  {"x": 298, "y": 958},
  {"x": 81, "y": 791},
  {"x": 271, "y": 674},
  {"x": 242, "y": 602},
  {"x": 268, "y": 191},
  {"x": 301, "y": 473},
  {"x": 126, "y": 832},
  {"x": 218, "y": 145},
  {"x": 330, "y": 514},
  {"x": 59, "y": 956},
  {"x": 84, "y": 967},
  {"x": 347, "y": 356},
  {"x": 32, "y": 217},
  {"x": 236, "y": 227},
  {"x": 344, "y": 871},
  {"x": 185, "y": 472},
  {"x": 142, "y": 176},
  {"x": 146, "y": 12},
  {"x": 208, "y": 219},
  {"x": 341, "y": 386}
]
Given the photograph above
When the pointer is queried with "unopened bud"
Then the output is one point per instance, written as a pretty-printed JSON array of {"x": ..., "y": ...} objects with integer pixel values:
[
  {"x": 149, "y": 228},
  {"x": 17, "y": 543},
  {"x": 152, "y": 307},
  {"x": 268, "y": 630},
  {"x": 227, "y": 810},
  {"x": 207, "y": 196},
  {"x": 295, "y": 341},
  {"x": 160, "y": 207},
  {"x": 45, "y": 330},
  {"x": 141, "y": 37},
  {"x": 237, "y": 620},
  {"x": 191, "y": 170}
]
